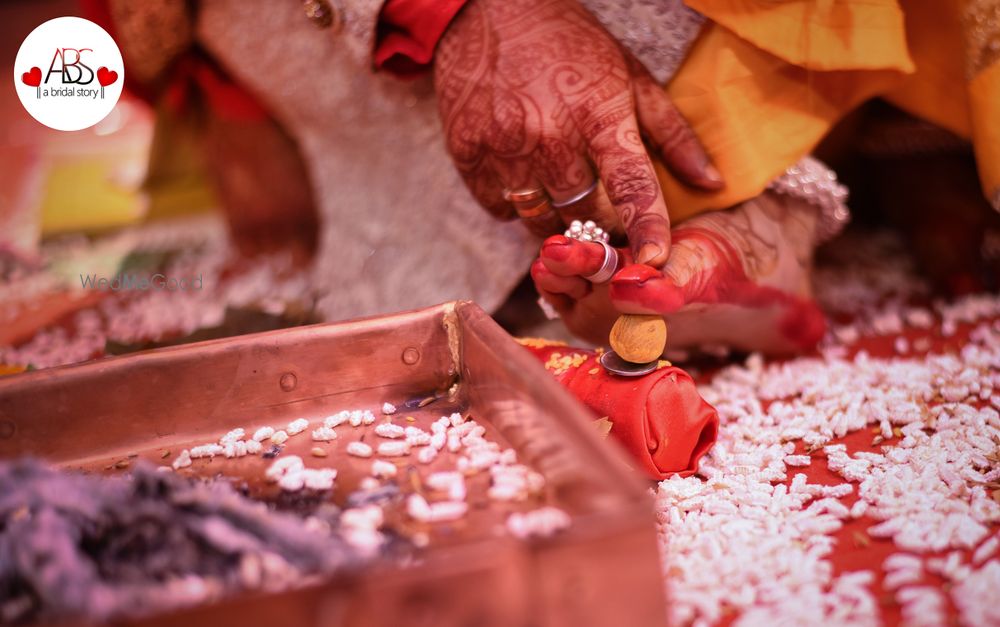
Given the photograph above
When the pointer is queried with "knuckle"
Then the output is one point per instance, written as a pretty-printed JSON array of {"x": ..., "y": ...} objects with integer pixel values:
[
  {"x": 675, "y": 137},
  {"x": 632, "y": 183}
]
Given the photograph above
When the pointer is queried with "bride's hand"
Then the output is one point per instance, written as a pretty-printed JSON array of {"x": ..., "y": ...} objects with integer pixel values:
[
  {"x": 585, "y": 308},
  {"x": 738, "y": 277},
  {"x": 536, "y": 95}
]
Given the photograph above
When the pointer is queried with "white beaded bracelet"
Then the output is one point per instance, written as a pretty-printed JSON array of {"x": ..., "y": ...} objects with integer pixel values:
[{"x": 813, "y": 182}]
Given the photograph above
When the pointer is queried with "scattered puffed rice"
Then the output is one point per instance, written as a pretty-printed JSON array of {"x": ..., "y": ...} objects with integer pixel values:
[
  {"x": 922, "y": 489},
  {"x": 388, "y": 409},
  {"x": 183, "y": 460},
  {"x": 417, "y": 437},
  {"x": 319, "y": 478},
  {"x": 389, "y": 430},
  {"x": 356, "y": 417},
  {"x": 279, "y": 437},
  {"x": 292, "y": 481},
  {"x": 263, "y": 433},
  {"x": 417, "y": 507},
  {"x": 297, "y": 426},
  {"x": 324, "y": 434},
  {"x": 283, "y": 465},
  {"x": 232, "y": 436},
  {"x": 438, "y": 440},
  {"x": 426, "y": 455},
  {"x": 542, "y": 522},
  {"x": 335, "y": 420},
  {"x": 393, "y": 449},
  {"x": 383, "y": 469},
  {"x": 359, "y": 449},
  {"x": 446, "y": 511},
  {"x": 206, "y": 450}
]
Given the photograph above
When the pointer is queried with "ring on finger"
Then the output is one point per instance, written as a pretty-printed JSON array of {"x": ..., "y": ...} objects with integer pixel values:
[
  {"x": 608, "y": 267},
  {"x": 527, "y": 210},
  {"x": 575, "y": 198},
  {"x": 515, "y": 196}
]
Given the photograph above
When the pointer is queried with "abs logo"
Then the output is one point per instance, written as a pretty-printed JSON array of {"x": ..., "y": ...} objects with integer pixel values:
[{"x": 69, "y": 73}]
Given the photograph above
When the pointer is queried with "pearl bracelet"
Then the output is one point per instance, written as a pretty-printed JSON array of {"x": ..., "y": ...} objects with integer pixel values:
[{"x": 813, "y": 182}]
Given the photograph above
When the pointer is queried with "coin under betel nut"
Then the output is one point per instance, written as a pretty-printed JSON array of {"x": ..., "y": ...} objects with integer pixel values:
[{"x": 639, "y": 338}]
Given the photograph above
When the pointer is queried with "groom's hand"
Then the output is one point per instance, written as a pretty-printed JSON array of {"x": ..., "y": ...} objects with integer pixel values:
[{"x": 536, "y": 95}]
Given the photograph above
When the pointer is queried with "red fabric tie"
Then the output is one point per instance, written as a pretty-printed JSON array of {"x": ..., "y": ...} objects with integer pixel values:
[{"x": 660, "y": 419}]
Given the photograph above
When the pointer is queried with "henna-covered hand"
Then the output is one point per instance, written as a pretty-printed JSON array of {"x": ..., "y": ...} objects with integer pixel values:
[
  {"x": 738, "y": 277},
  {"x": 535, "y": 93}
]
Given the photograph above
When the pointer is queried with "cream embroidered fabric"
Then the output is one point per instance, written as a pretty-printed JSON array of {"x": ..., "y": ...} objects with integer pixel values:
[
  {"x": 399, "y": 228},
  {"x": 657, "y": 32}
]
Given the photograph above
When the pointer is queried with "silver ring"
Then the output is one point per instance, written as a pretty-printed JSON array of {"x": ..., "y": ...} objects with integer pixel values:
[
  {"x": 523, "y": 195},
  {"x": 576, "y": 197},
  {"x": 609, "y": 266}
]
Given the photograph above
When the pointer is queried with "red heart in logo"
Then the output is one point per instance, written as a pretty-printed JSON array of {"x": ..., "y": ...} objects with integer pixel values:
[
  {"x": 32, "y": 78},
  {"x": 105, "y": 76}
]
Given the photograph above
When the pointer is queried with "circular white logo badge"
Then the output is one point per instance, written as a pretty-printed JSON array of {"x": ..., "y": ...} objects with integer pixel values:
[{"x": 69, "y": 73}]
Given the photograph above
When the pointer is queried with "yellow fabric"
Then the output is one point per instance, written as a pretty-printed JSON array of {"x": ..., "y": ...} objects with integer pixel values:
[
  {"x": 756, "y": 112},
  {"x": 937, "y": 91},
  {"x": 818, "y": 34},
  {"x": 767, "y": 80},
  {"x": 984, "y": 98}
]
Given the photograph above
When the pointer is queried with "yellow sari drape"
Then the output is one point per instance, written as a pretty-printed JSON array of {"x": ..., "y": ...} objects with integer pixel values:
[{"x": 766, "y": 80}]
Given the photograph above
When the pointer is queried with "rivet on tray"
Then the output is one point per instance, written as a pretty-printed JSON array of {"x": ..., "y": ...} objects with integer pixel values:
[
  {"x": 288, "y": 381},
  {"x": 411, "y": 355},
  {"x": 7, "y": 429}
]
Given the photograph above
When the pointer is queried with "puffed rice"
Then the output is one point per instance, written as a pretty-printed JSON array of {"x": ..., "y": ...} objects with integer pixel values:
[
  {"x": 297, "y": 426},
  {"x": 206, "y": 450},
  {"x": 419, "y": 509},
  {"x": 283, "y": 465},
  {"x": 921, "y": 490},
  {"x": 389, "y": 430},
  {"x": 359, "y": 449},
  {"x": 383, "y": 469},
  {"x": 426, "y": 455},
  {"x": 335, "y": 420},
  {"x": 263, "y": 434},
  {"x": 388, "y": 409},
  {"x": 279, "y": 437},
  {"x": 319, "y": 478},
  {"x": 183, "y": 460},
  {"x": 393, "y": 449},
  {"x": 324, "y": 434},
  {"x": 542, "y": 522},
  {"x": 232, "y": 436}
]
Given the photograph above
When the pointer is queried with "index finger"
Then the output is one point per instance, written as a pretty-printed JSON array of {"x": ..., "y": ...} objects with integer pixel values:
[{"x": 615, "y": 145}]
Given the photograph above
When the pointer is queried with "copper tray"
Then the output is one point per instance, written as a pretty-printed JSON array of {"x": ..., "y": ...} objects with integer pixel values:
[{"x": 604, "y": 570}]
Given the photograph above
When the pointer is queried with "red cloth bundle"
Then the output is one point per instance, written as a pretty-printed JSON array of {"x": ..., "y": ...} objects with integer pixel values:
[{"x": 660, "y": 418}]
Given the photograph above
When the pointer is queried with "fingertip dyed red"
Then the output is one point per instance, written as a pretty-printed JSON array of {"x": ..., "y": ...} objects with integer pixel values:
[{"x": 639, "y": 288}]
